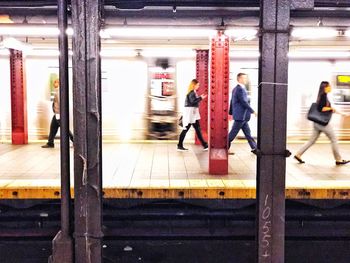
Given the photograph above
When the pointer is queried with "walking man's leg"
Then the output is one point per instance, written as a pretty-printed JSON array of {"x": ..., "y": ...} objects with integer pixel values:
[
  {"x": 248, "y": 135},
  {"x": 237, "y": 125}
]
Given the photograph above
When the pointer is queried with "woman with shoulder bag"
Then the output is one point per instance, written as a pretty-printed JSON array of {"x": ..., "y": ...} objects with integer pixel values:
[
  {"x": 191, "y": 115},
  {"x": 323, "y": 105}
]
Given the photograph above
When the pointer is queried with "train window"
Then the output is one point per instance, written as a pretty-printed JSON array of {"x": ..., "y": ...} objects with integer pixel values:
[
  {"x": 342, "y": 89},
  {"x": 343, "y": 80},
  {"x": 162, "y": 102}
]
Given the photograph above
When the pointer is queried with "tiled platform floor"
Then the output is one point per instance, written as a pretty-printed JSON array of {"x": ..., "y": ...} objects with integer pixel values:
[{"x": 160, "y": 165}]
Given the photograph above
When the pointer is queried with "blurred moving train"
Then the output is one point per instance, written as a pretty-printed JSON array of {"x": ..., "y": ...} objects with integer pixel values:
[{"x": 143, "y": 94}]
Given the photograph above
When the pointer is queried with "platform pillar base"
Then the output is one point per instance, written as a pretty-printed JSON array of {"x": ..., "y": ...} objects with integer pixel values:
[
  {"x": 62, "y": 249},
  {"x": 218, "y": 162}
]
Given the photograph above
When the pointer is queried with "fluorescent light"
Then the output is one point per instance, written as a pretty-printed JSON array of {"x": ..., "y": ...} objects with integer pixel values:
[
  {"x": 4, "y": 52},
  {"x": 322, "y": 54},
  {"x": 69, "y": 31},
  {"x": 104, "y": 34},
  {"x": 45, "y": 53},
  {"x": 127, "y": 31},
  {"x": 160, "y": 32},
  {"x": 12, "y": 43},
  {"x": 167, "y": 52},
  {"x": 314, "y": 32},
  {"x": 32, "y": 30},
  {"x": 244, "y": 54},
  {"x": 5, "y": 19},
  {"x": 242, "y": 33},
  {"x": 118, "y": 53},
  {"x": 319, "y": 54},
  {"x": 28, "y": 30},
  {"x": 159, "y": 69}
]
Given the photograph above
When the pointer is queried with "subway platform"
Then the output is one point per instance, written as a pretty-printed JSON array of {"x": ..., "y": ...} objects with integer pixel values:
[{"x": 152, "y": 169}]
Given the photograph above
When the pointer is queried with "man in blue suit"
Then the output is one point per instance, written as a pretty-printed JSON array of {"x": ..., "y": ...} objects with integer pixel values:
[{"x": 241, "y": 111}]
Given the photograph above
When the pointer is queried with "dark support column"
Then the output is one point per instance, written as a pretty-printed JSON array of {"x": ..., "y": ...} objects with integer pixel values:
[
  {"x": 272, "y": 120},
  {"x": 18, "y": 98},
  {"x": 86, "y": 21},
  {"x": 62, "y": 246},
  {"x": 273, "y": 69},
  {"x": 202, "y": 57},
  {"x": 218, "y": 104}
]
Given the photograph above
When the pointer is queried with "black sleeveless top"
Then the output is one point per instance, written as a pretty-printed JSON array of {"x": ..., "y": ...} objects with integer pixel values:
[{"x": 323, "y": 102}]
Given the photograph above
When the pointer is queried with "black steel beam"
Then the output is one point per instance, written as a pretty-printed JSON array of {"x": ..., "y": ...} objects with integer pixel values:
[
  {"x": 188, "y": 13},
  {"x": 132, "y": 4},
  {"x": 26, "y": 11},
  {"x": 62, "y": 245},
  {"x": 127, "y": 4},
  {"x": 321, "y": 12},
  {"x": 139, "y": 4},
  {"x": 25, "y": 3},
  {"x": 86, "y": 21},
  {"x": 302, "y": 4},
  {"x": 272, "y": 105}
]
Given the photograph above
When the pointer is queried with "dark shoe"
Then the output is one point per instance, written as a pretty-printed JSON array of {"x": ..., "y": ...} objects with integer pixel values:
[
  {"x": 205, "y": 147},
  {"x": 255, "y": 151},
  {"x": 298, "y": 159},
  {"x": 181, "y": 149},
  {"x": 48, "y": 145},
  {"x": 342, "y": 162}
]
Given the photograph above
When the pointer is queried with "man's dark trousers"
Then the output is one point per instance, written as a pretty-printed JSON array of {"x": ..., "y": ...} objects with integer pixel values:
[
  {"x": 55, "y": 124},
  {"x": 237, "y": 125}
]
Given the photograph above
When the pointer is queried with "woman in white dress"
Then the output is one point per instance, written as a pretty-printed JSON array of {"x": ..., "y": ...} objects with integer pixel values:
[{"x": 191, "y": 115}]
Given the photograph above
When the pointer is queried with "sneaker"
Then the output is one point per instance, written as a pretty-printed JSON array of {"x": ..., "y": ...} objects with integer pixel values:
[
  {"x": 205, "y": 147},
  {"x": 48, "y": 145},
  {"x": 181, "y": 149},
  {"x": 342, "y": 162}
]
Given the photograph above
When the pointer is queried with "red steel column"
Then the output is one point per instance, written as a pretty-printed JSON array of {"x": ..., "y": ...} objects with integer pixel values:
[
  {"x": 218, "y": 104},
  {"x": 18, "y": 98},
  {"x": 202, "y": 76}
]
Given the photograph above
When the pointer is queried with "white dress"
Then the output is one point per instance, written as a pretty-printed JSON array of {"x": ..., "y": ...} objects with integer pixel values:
[{"x": 190, "y": 115}]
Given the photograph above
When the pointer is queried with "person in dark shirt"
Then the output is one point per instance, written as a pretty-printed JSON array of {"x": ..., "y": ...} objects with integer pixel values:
[
  {"x": 323, "y": 106},
  {"x": 191, "y": 115}
]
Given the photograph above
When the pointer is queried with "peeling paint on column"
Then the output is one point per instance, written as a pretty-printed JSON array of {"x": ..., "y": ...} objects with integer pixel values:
[{"x": 87, "y": 128}]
